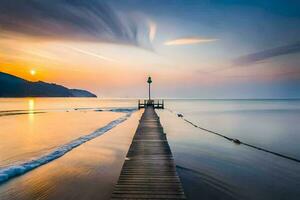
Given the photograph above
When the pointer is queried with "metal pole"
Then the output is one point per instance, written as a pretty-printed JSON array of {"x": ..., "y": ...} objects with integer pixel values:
[
  {"x": 149, "y": 92},
  {"x": 149, "y": 81}
]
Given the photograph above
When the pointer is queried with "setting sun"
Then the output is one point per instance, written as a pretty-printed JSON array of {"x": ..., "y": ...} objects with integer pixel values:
[{"x": 32, "y": 72}]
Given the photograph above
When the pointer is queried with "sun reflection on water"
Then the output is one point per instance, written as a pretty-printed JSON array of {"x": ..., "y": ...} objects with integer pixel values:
[
  {"x": 31, "y": 104},
  {"x": 31, "y": 109}
]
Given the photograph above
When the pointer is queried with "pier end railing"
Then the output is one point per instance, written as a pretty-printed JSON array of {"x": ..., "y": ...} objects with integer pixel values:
[{"x": 155, "y": 103}]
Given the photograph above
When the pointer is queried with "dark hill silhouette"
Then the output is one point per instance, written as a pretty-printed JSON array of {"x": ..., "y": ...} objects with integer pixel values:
[{"x": 12, "y": 86}]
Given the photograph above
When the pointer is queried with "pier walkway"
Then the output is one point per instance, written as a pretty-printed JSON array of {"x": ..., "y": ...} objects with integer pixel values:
[{"x": 149, "y": 170}]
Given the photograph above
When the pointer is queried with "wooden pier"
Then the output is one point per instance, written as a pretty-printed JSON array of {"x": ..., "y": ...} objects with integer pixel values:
[{"x": 149, "y": 170}]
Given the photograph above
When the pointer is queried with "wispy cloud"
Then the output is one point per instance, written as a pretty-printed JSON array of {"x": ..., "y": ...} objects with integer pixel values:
[
  {"x": 279, "y": 74},
  {"x": 92, "y": 54},
  {"x": 92, "y": 20},
  {"x": 189, "y": 40},
  {"x": 152, "y": 30},
  {"x": 266, "y": 54}
]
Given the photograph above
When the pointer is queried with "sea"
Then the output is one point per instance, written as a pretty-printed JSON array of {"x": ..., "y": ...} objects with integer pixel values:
[{"x": 74, "y": 148}]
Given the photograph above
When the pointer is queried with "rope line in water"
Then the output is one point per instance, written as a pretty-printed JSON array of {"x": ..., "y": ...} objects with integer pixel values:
[{"x": 236, "y": 141}]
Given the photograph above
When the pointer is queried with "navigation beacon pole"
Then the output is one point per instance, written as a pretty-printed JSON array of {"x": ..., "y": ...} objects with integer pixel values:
[
  {"x": 150, "y": 102},
  {"x": 149, "y": 82}
]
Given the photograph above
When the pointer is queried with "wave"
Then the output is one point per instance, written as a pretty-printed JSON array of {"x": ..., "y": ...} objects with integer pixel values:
[
  {"x": 10, "y": 172},
  {"x": 123, "y": 110},
  {"x": 39, "y": 111},
  {"x": 18, "y": 113}
]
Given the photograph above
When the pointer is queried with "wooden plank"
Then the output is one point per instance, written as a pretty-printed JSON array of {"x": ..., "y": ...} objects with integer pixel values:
[{"x": 149, "y": 171}]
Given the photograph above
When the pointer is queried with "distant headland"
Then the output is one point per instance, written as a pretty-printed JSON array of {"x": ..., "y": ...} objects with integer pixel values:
[{"x": 12, "y": 86}]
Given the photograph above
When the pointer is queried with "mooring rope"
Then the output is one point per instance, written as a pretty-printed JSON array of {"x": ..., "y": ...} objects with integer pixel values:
[{"x": 235, "y": 140}]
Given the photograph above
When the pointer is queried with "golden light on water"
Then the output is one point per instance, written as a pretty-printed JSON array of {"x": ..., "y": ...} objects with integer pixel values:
[
  {"x": 31, "y": 110},
  {"x": 31, "y": 104}
]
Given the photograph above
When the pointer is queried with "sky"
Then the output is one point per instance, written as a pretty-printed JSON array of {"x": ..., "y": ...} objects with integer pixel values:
[{"x": 190, "y": 48}]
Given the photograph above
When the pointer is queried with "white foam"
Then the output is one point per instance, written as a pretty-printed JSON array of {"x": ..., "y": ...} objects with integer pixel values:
[{"x": 19, "y": 169}]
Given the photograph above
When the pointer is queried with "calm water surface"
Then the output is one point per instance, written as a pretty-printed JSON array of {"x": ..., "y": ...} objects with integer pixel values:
[
  {"x": 34, "y": 127},
  {"x": 214, "y": 168},
  {"x": 31, "y": 127},
  {"x": 210, "y": 167}
]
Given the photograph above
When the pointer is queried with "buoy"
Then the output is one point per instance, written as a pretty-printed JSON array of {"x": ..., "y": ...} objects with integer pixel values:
[{"x": 236, "y": 141}]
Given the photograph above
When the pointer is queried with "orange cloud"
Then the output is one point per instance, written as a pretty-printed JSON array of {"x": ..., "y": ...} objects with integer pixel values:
[{"x": 189, "y": 40}]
